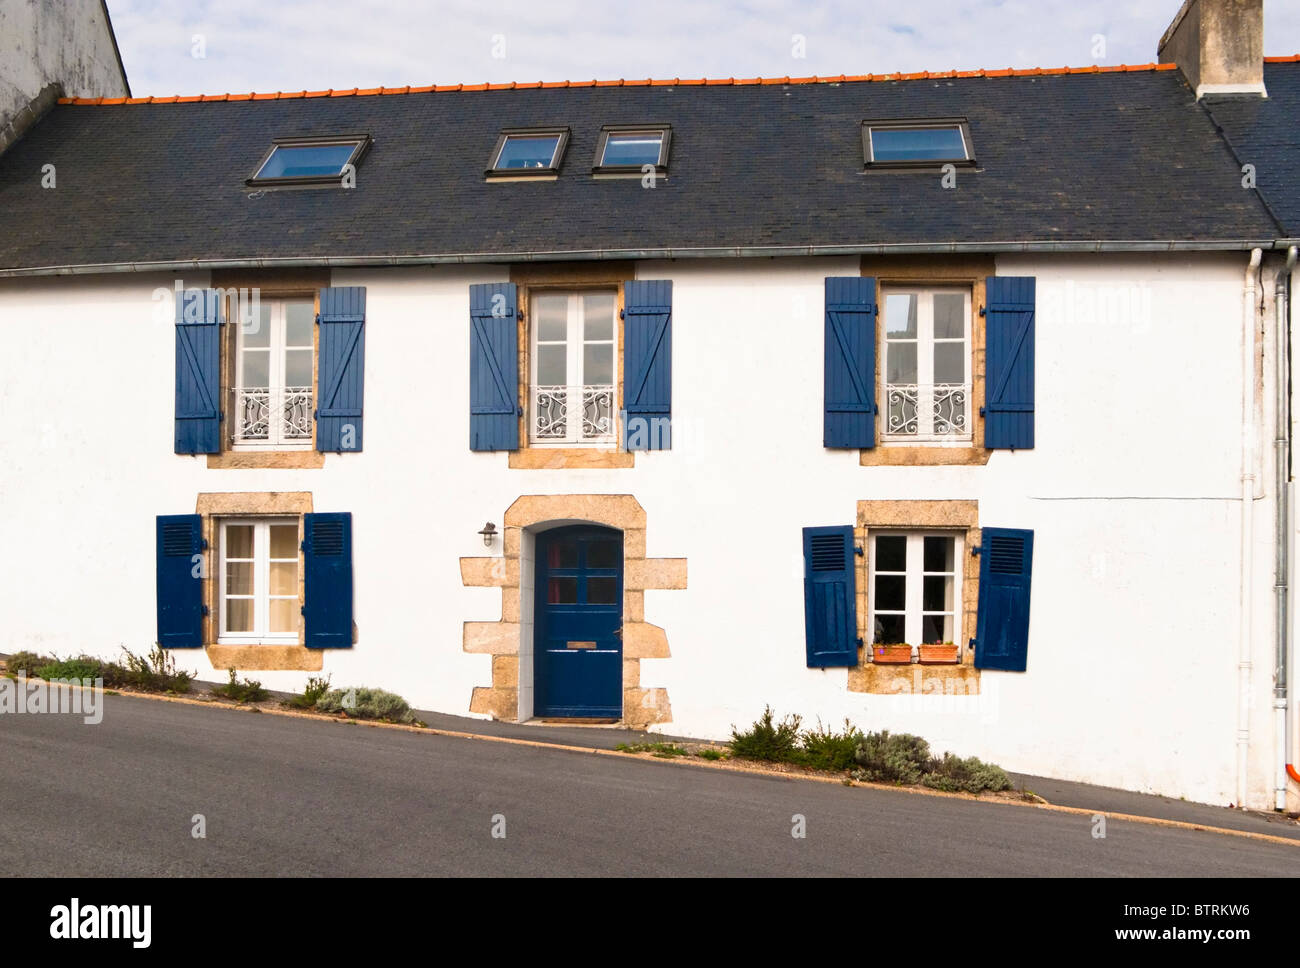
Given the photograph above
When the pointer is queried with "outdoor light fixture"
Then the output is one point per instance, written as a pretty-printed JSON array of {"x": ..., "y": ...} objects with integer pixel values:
[{"x": 489, "y": 532}]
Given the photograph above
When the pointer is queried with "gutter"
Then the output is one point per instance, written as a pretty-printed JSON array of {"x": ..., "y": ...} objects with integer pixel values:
[
  {"x": 1282, "y": 537},
  {"x": 623, "y": 255},
  {"x": 1248, "y": 483}
]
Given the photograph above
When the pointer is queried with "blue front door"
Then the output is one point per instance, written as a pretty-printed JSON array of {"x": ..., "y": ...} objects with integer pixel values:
[{"x": 578, "y": 644}]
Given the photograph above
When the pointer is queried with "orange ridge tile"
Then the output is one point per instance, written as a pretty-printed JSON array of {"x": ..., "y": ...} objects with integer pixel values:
[{"x": 1282, "y": 60}]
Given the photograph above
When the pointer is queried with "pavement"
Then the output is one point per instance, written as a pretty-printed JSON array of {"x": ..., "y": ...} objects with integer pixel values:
[{"x": 297, "y": 796}]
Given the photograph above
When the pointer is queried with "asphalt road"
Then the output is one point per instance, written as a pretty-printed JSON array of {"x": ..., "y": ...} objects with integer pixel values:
[{"x": 283, "y": 796}]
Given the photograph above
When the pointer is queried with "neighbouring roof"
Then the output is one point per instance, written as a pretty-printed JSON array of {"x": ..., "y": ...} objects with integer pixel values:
[
  {"x": 1265, "y": 132},
  {"x": 1086, "y": 158}
]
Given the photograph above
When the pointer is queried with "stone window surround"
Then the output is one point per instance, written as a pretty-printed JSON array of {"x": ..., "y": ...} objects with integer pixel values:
[
  {"x": 939, "y": 270},
  {"x": 940, "y": 515},
  {"x": 509, "y": 641},
  {"x": 567, "y": 276}
]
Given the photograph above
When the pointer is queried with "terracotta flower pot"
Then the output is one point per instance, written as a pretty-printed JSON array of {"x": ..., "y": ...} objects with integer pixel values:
[
  {"x": 897, "y": 654},
  {"x": 939, "y": 654}
]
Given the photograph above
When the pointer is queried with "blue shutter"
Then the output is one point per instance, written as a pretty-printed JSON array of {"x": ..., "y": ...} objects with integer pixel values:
[
  {"x": 1008, "y": 409},
  {"x": 850, "y": 367},
  {"x": 647, "y": 364},
  {"x": 198, "y": 371},
  {"x": 327, "y": 560},
  {"x": 341, "y": 376},
  {"x": 494, "y": 409},
  {"x": 830, "y": 599},
  {"x": 180, "y": 548},
  {"x": 1002, "y": 624}
]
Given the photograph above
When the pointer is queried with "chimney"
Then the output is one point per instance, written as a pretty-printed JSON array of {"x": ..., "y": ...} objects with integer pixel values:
[{"x": 1218, "y": 45}]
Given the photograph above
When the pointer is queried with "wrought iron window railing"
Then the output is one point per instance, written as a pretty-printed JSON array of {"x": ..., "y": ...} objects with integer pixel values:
[
  {"x": 927, "y": 410},
  {"x": 579, "y": 413},
  {"x": 272, "y": 415}
]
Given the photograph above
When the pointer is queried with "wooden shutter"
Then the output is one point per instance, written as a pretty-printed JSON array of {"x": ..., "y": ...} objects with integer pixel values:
[
  {"x": 830, "y": 597},
  {"x": 327, "y": 560},
  {"x": 180, "y": 547},
  {"x": 1008, "y": 410},
  {"x": 340, "y": 378},
  {"x": 647, "y": 364},
  {"x": 850, "y": 365},
  {"x": 1002, "y": 624},
  {"x": 494, "y": 409},
  {"x": 198, "y": 371}
]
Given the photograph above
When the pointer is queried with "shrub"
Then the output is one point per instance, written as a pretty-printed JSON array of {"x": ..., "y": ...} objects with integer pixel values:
[
  {"x": 892, "y": 758},
  {"x": 766, "y": 740},
  {"x": 83, "y": 667},
  {"x": 26, "y": 662},
  {"x": 316, "y": 687},
  {"x": 153, "y": 673},
  {"x": 825, "y": 749},
  {"x": 971, "y": 775},
  {"x": 710, "y": 754},
  {"x": 250, "y": 690},
  {"x": 364, "y": 703}
]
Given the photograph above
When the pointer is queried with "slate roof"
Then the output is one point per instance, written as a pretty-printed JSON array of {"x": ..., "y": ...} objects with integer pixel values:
[
  {"x": 1265, "y": 132},
  {"x": 1065, "y": 160}
]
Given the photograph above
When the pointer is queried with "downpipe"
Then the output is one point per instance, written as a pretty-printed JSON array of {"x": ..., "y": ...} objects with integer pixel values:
[
  {"x": 1282, "y": 537},
  {"x": 1248, "y": 483}
]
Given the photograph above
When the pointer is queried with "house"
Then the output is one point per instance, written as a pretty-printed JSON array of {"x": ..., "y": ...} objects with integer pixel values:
[{"x": 657, "y": 402}]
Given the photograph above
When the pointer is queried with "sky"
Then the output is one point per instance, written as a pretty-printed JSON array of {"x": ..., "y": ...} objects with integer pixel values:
[{"x": 236, "y": 46}]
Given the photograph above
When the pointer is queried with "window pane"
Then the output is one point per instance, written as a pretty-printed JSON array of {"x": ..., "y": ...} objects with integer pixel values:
[
  {"x": 938, "y": 553},
  {"x": 551, "y": 316},
  {"x": 936, "y": 593},
  {"x": 598, "y": 315},
  {"x": 949, "y": 315},
  {"x": 891, "y": 592},
  {"x": 900, "y": 363},
  {"x": 917, "y": 144},
  {"x": 562, "y": 554},
  {"x": 291, "y": 162},
  {"x": 900, "y": 315},
  {"x": 890, "y": 630},
  {"x": 598, "y": 363},
  {"x": 255, "y": 328},
  {"x": 284, "y": 541},
  {"x": 297, "y": 368},
  {"x": 284, "y": 578},
  {"x": 604, "y": 554},
  {"x": 936, "y": 629},
  {"x": 602, "y": 591},
  {"x": 257, "y": 368},
  {"x": 633, "y": 148},
  {"x": 239, "y": 615},
  {"x": 528, "y": 151},
  {"x": 299, "y": 319},
  {"x": 239, "y": 578},
  {"x": 891, "y": 553},
  {"x": 284, "y": 615},
  {"x": 551, "y": 365},
  {"x": 949, "y": 362},
  {"x": 239, "y": 541},
  {"x": 562, "y": 591}
]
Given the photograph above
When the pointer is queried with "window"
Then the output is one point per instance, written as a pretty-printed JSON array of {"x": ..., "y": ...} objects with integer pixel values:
[
  {"x": 528, "y": 152},
  {"x": 622, "y": 149},
  {"x": 914, "y": 590},
  {"x": 274, "y": 362},
  {"x": 911, "y": 144},
  {"x": 309, "y": 161},
  {"x": 573, "y": 355},
  {"x": 258, "y": 595},
  {"x": 926, "y": 364}
]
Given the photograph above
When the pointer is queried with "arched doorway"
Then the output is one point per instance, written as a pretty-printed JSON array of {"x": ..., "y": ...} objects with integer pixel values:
[{"x": 577, "y": 644}]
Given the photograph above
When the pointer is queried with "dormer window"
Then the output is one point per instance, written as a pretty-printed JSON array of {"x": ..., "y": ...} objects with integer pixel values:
[
  {"x": 528, "y": 152},
  {"x": 309, "y": 161},
  {"x": 629, "y": 149},
  {"x": 917, "y": 143}
]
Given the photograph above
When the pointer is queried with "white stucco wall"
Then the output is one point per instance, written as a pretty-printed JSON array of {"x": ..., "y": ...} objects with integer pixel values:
[
  {"x": 1132, "y": 491},
  {"x": 55, "y": 41}
]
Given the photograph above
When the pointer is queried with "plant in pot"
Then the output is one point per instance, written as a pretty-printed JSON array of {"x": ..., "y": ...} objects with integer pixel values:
[
  {"x": 939, "y": 652},
  {"x": 897, "y": 653}
]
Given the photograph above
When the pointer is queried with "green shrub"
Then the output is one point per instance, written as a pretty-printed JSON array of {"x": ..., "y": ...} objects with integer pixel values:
[
  {"x": 825, "y": 749},
  {"x": 662, "y": 750},
  {"x": 364, "y": 703},
  {"x": 892, "y": 758},
  {"x": 83, "y": 667},
  {"x": 971, "y": 775},
  {"x": 26, "y": 662},
  {"x": 250, "y": 690},
  {"x": 710, "y": 754},
  {"x": 316, "y": 687},
  {"x": 766, "y": 740},
  {"x": 153, "y": 673}
]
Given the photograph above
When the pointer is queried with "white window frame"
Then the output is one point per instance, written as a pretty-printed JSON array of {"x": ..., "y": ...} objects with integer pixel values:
[
  {"x": 574, "y": 341},
  {"x": 914, "y": 584},
  {"x": 262, "y": 597},
  {"x": 925, "y": 388},
  {"x": 276, "y": 348}
]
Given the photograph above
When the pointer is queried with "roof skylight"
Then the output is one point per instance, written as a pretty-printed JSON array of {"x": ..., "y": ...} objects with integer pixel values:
[
  {"x": 917, "y": 143},
  {"x": 309, "y": 161}
]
